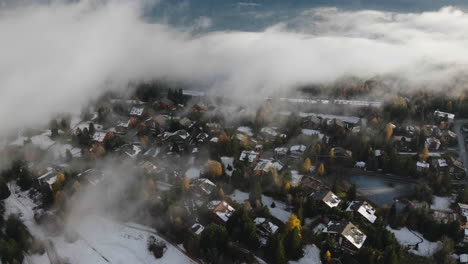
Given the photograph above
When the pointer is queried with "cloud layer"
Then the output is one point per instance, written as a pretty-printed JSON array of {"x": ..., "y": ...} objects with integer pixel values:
[{"x": 55, "y": 57}]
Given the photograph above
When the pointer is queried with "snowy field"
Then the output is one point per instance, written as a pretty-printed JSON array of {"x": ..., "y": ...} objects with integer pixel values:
[
  {"x": 100, "y": 239},
  {"x": 407, "y": 238},
  {"x": 441, "y": 203},
  {"x": 280, "y": 210},
  {"x": 311, "y": 256}
]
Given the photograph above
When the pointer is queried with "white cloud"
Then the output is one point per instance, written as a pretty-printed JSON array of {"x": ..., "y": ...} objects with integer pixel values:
[{"x": 55, "y": 57}]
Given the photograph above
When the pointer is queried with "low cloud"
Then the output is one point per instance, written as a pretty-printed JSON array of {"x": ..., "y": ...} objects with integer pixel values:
[{"x": 55, "y": 57}]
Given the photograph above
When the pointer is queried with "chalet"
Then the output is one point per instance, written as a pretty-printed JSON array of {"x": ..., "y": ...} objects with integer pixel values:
[
  {"x": 268, "y": 133},
  {"x": 422, "y": 166},
  {"x": 203, "y": 187},
  {"x": 197, "y": 229},
  {"x": 138, "y": 112},
  {"x": 456, "y": 168},
  {"x": 341, "y": 152},
  {"x": 463, "y": 212},
  {"x": 449, "y": 137},
  {"x": 326, "y": 197},
  {"x": 221, "y": 211},
  {"x": 91, "y": 175},
  {"x": 403, "y": 143},
  {"x": 125, "y": 125},
  {"x": 130, "y": 150},
  {"x": 432, "y": 143},
  {"x": 249, "y": 156},
  {"x": 444, "y": 116},
  {"x": 347, "y": 235},
  {"x": 100, "y": 137},
  {"x": 296, "y": 178},
  {"x": 266, "y": 165},
  {"x": 213, "y": 127},
  {"x": 152, "y": 153},
  {"x": 440, "y": 164},
  {"x": 179, "y": 136},
  {"x": 48, "y": 177},
  {"x": 265, "y": 228},
  {"x": 280, "y": 152},
  {"x": 364, "y": 209},
  {"x": 165, "y": 104},
  {"x": 433, "y": 130},
  {"x": 311, "y": 122},
  {"x": 463, "y": 258},
  {"x": 297, "y": 150},
  {"x": 201, "y": 138}
]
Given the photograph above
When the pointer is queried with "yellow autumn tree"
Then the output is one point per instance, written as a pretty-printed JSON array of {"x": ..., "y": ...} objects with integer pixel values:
[
  {"x": 424, "y": 154},
  {"x": 223, "y": 138},
  {"x": 306, "y": 165},
  {"x": 221, "y": 195},
  {"x": 328, "y": 256},
  {"x": 332, "y": 152},
  {"x": 144, "y": 142},
  {"x": 321, "y": 170},
  {"x": 213, "y": 168},
  {"x": 389, "y": 131},
  {"x": 293, "y": 222},
  {"x": 186, "y": 184},
  {"x": 99, "y": 150},
  {"x": 58, "y": 184}
]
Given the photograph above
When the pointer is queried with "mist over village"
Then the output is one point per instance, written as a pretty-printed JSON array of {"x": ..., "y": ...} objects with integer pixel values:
[{"x": 182, "y": 131}]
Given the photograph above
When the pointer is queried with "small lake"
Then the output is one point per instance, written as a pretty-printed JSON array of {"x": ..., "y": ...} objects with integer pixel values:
[{"x": 379, "y": 190}]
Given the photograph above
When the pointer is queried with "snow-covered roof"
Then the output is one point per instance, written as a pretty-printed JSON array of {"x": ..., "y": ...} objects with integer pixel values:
[
  {"x": 228, "y": 162},
  {"x": 197, "y": 228},
  {"x": 422, "y": 164},
  {"x": 265, "y": 226},
  {"x": 281, "y": 151},
  {"x": 364, "y": 209},
  {"x": 245, "y": 130},
  {"x": 442, "y": 163},
  {"x": 348, "y": 231},
  {"x": 464, "y": 258},
  {"x": 360, "y": 164},
  {"x": 298, "y": 148},
  {"x": 444, "y": 114},
  {"x": 124, "y": 124},
  {"x": 250, "y": 155},
  {"x": 328, "y": 197},
  {"x": 222, "y": 209},
  {"x": 99, "y": 136},
  {"x": 137, "y": 111},
  {"x": 312, "y": 132},
  {"x": 205, "y": 185},
  {"x": 269, "y": 131},
  {"x": 214, "y": 140},
  {"x": 296, "y": 178}
]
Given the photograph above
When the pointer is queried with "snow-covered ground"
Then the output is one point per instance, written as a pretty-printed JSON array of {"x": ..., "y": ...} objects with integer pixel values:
[
  {"x": 311, "y": 256},
  {"x": 59, "y": 150},
  {"x": 410, "y": 238},
  {"x": 280, "y": 210},
  {"x": 441, "y": 203},
  {"x": 192, "y": 173},
  {"x": 100, "y": 238}
]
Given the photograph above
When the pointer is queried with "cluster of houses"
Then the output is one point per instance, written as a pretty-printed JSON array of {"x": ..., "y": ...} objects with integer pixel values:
[{"x": 348, "y": 237}]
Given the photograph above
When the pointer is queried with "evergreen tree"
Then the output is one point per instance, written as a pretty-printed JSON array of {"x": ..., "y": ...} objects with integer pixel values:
[
  {"x": 275, "y": 249},
  {"x": 293, "y": 245},
  {"x": 352, "y": 192}
]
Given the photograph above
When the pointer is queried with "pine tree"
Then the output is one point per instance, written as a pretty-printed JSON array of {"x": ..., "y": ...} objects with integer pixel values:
[
  {"x": 352, "y": 192},
  {"x": 293, "y": 244},
  {"x": 275, "y": 249}
]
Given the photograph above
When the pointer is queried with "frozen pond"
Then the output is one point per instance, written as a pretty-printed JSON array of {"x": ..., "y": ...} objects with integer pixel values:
[{"x": 379, "y": 190}]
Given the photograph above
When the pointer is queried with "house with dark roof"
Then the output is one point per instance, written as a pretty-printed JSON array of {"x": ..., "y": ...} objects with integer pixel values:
[
  {"x": 364, "y": 209},
  {"x": 347, "y": 236},
  {"x": 221, "y": 211},
  {"x": 326, "y": 197}
]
